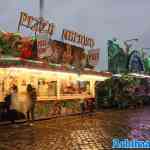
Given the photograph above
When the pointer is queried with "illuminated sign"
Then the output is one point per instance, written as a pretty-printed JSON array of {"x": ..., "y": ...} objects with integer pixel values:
[
  {"x": 36, "y": 24},
  {"x": 42, "y": 44},
  {"x": 78, "y": 38}
]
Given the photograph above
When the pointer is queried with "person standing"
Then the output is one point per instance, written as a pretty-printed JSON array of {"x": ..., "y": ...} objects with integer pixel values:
[
  {"x": 91, "y": 105},
  {"x": 7, "y": 102},
  {"x": 5, "y": 109},
  {"x": 32, "y": 100},
  {"x": 14, "y": 104}
]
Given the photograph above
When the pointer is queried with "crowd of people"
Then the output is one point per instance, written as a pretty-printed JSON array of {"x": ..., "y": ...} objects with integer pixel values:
[{"x": 13, "y": 106}]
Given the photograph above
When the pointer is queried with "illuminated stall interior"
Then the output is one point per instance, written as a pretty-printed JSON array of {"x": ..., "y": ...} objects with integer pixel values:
[
  {"x": 21, "y": 63},
  {"x": 50, "y": 85}
]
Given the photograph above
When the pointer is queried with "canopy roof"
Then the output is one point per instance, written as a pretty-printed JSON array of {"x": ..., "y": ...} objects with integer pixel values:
[{"x": 7, "y": 62}]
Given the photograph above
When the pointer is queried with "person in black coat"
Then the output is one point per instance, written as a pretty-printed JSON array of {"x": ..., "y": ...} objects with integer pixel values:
[
  {"x": 33, "y": 97},
  {"x": 11, "y": 113},
  {"x": 5, "y": 107},
  {"x": 7, "y": 102}
]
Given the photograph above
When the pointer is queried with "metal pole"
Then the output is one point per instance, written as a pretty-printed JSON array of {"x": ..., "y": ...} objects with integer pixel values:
[
  {"x": 132, "y": 40},
  {"x": 128, "y": 46},
  {"x": 41, "y": 8},
  {"x": 146, "y": 48}
]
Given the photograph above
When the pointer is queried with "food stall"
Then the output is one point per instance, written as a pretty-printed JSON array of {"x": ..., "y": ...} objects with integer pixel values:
[
  {"x": 59, "y": 92},
  {"x": 59, "y": 73}
]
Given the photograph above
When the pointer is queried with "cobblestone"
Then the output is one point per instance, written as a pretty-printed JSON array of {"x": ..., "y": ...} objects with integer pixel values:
[{"x": 78, "y": 133}]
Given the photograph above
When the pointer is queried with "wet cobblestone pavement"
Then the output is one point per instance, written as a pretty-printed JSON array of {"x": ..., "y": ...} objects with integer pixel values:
[{"x": 78, "y": 133}]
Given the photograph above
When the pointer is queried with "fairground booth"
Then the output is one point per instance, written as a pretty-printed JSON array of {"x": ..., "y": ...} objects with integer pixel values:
[{"x": 60, "y": 72}]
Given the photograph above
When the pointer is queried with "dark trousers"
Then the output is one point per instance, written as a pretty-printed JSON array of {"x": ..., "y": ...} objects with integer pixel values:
[
  {"x": 12, "y": 115},
  {"x": 82, "y": 108},
  {"x": 30, "y": 113}
]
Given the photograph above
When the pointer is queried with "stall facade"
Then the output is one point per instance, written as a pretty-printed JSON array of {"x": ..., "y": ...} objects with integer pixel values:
[
  {"x": 59, "y": 91},
  {"x": 60, "y": 72}
]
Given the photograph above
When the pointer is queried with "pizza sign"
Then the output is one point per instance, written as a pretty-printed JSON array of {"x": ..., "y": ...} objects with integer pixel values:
[{"x": 38, "y": 25}]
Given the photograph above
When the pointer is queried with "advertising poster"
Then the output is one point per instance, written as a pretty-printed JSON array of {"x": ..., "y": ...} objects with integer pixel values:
[
  {"x": 93, "y": 56},
  {"x": 62, "y": 53},
  {"x": 42, "y": 45}
]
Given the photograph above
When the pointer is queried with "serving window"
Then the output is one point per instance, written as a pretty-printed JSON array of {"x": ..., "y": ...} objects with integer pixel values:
[
  {"x": 74, "y": 87},
  {"x": 47, "y": 88},
  {"x": 69, "y": 87},
  {"x": 84, "y": 87}
]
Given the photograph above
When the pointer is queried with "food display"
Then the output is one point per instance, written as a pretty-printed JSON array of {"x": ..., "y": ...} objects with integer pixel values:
[
  {"x": 49, "y": 85},
  {"x": 75, "y": 87}
]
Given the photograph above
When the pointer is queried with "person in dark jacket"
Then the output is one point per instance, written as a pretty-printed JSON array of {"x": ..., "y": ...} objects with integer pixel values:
[
  {"x": 11, "y": 111},
  {"x": 90, "y": 105},
  {"x": 32, "y": 97},
  {"x": 82, "y": 106},
  {"x": 5, "y": 107},
  {"x": 7, "y": 102}
]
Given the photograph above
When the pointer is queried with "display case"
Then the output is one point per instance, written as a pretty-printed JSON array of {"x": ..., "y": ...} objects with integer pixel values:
[
  {"x": 47, "y": 89},
  {"x": 49, "y": 85},
  {"x": 75, "y": 87}
]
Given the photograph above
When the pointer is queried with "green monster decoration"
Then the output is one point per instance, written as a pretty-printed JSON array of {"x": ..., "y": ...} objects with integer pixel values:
[
  {"x": 117, "y": 58},
  {"x": 122, "y": 58},
  {"x": 147, "y": 64},
  {"x": 146, "y": 60}
]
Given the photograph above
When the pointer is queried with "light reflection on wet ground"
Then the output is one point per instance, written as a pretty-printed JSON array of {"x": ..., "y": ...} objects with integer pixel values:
[{"x": 78, "y": 133}]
